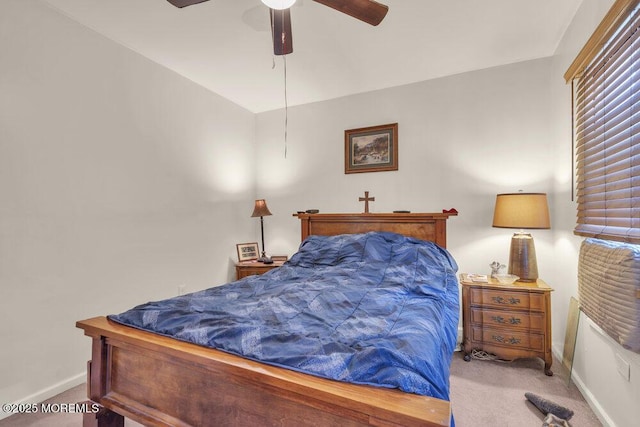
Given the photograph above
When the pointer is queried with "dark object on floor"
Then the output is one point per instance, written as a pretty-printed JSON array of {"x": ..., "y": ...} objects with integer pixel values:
[{"x": 548, "y": 407}]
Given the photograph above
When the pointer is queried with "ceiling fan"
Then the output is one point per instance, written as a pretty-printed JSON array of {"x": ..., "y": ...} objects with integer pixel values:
[{"x": 368, "y": 11}]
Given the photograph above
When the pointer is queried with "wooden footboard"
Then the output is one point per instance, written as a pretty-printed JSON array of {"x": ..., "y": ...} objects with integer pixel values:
[{"x": 160, "y": 381}]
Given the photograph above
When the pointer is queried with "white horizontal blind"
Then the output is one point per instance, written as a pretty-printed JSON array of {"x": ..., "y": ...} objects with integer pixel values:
[{"x": 607, "y": 132}]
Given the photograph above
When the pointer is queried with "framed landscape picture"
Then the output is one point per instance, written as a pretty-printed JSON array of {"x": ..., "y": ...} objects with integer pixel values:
[{"x": 371, "y": 149}]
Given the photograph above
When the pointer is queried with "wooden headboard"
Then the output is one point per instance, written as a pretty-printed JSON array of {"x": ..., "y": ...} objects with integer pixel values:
[{"x": 425, "y": 226}]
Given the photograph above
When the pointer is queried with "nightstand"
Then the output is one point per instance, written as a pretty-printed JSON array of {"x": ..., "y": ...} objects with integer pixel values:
[
  {"x": 509, "y": 321},
  {"x": 250, "y": 268}
]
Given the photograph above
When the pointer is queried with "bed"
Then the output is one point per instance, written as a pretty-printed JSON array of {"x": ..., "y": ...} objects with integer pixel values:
[{"x": 156, "y": 379}]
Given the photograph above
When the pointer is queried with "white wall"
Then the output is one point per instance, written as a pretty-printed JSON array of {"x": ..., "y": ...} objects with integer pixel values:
[
  {"x": 462, "y": 140},
  {"x": 595, "y": 371},
  {"x": 119, "y": 181}
]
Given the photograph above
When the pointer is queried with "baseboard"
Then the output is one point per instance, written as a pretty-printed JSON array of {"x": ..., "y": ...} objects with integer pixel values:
[
  {"x": 49, "y": 392},
  {"x": 459, "y": 339},
  {"x": 595, "y": 406}
]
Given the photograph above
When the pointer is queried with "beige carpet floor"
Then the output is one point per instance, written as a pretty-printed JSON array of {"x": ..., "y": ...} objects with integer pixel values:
[
  {"x": 491, "y": 393},
  {"x": 483, "y": 393}
]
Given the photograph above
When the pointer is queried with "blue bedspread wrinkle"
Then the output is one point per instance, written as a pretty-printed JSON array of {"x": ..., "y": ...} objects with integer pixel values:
[{"x": 375, "y": 308}]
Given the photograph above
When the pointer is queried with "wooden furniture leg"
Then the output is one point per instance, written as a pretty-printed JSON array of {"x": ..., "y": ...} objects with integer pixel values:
[{"x": 103, "y": 418}]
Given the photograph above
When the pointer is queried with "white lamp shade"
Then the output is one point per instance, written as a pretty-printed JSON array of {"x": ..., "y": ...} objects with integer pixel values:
[{"x": 279, "y": 4}]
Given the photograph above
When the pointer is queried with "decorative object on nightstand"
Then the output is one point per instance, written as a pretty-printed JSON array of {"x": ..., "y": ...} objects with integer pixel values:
[
  {"x": 261, "y": 210},
  {"x": 495, "y": 268},
  {"x": 247, "y": 251},
  {"x": 509, "y": 321},
  {"x": 523, "y": 211},
  {"x": 506, "y": 279}
]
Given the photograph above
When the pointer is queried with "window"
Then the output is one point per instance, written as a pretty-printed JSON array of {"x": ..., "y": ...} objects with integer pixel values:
[{"x": 606, "y": 99}]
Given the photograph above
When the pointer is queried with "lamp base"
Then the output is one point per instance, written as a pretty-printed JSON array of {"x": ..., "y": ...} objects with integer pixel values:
[
  {"x": 522, "y": 257},
  {"x": 265, "y": 259}
]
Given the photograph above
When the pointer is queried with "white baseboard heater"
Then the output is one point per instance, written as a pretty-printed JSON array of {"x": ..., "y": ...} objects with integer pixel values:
[{"x": 609, "y": 288}]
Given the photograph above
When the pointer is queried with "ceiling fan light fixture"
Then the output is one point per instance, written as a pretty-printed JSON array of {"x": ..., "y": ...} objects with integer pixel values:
[{"x": 279, "y": 4}]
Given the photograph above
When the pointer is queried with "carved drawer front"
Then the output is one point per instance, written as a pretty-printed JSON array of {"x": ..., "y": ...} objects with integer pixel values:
[
  {"x": 508, "y": 338},
  {"x": 510, "y": 319},
  {"x": 251, "y": 272},
  {"x": 509, "y": 299}
]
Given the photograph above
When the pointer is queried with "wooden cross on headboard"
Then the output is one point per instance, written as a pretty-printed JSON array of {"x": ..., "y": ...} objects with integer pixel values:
[{"x": 366, "y": 199}]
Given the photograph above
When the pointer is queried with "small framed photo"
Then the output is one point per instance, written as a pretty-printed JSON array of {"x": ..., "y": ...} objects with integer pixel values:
[
  {"x": 371, "y": 149},
  {"x": 247, "y": 251}
]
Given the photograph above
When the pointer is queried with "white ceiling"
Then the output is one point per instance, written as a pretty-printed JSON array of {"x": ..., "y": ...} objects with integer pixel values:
[{"x": 225, "y": 45}]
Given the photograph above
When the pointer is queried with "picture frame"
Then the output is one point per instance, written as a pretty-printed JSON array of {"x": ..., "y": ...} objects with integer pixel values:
[
  {"x": 247, "y": 251},
  {"x": 371, "y": 149}
]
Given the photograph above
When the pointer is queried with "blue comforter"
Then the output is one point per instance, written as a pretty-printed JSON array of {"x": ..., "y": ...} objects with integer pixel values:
[{"x": 375, "y": 308}]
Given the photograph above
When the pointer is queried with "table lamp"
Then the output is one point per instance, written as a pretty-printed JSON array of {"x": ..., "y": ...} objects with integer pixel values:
[
  {"x": 522, "y": 211},
  {"x": 261, "y": 210}
]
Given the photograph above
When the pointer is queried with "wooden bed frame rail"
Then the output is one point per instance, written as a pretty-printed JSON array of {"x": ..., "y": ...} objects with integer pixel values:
[
  {"x": 160, "y": 381},
  {"x": 196, "y": 386}
]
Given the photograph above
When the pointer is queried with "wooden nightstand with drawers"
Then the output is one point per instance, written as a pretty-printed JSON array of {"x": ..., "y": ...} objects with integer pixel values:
[
  {"x": 508, "y": 321},
  {"x": 251, "y": 268}
]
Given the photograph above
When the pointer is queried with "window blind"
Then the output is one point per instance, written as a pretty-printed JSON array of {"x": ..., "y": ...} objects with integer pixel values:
[{"x": 607, "y": 137}]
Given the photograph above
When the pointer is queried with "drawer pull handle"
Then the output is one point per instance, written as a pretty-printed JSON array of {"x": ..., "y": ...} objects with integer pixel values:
[
  {"x": 500, "y": 319},
  {"x": 511, "y": 301},
  {"x": 503, "y": 340}
]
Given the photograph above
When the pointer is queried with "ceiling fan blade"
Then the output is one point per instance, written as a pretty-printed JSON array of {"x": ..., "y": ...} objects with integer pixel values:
[
  {"x": 368, "y": 11},
  {"x": 185, "y": 3},
  {"x": 281, "y": 31}
]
